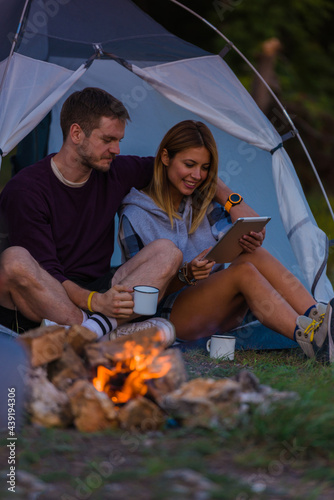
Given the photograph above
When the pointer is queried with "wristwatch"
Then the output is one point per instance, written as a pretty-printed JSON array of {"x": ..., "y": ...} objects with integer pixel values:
[{"x": 233, "y": 199}]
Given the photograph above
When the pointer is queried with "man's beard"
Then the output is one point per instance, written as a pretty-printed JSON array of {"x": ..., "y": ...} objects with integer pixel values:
[{"x": 92, "y": 162}]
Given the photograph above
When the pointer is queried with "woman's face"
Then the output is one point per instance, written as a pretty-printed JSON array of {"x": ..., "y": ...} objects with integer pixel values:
[{"x": 186, "y": 171}]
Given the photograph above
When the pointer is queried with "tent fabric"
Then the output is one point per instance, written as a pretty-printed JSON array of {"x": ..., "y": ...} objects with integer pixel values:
[
  {"x": 169, "y": 80},
  {"x": 207, "y": 86},
  {"x": 120, "y": 27},
  {"x": 309, "y": 242},
  {"x": 25, "y": 101}
]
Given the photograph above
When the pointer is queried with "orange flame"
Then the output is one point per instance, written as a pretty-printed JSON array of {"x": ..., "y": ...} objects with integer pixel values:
[{"x": 136, "y": 366}]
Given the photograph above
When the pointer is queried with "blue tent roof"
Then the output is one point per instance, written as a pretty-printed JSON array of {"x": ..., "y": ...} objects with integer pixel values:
[{"x": 57, "y": 27}]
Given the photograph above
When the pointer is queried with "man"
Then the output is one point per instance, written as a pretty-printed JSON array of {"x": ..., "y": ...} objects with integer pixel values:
[{"x": 59, "y": 216}]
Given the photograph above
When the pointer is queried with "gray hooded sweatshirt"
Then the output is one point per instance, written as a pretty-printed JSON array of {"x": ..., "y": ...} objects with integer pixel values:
[{"x": 150, "y": 222}]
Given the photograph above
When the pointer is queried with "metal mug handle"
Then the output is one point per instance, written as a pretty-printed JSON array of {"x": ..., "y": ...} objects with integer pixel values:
[{"x": 208, "y": 345}]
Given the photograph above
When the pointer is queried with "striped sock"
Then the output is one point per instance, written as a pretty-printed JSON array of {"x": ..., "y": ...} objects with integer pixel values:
[{"x": 100, "y": 324}]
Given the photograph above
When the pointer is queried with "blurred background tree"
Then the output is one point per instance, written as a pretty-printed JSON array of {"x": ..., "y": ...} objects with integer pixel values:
[{"x": 291, "y": 43}]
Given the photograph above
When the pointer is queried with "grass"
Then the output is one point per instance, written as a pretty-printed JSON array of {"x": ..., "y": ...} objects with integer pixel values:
[
  {"x": 290, "y": 445},
  {"x": 284, "y": 452},
  {"x": 293, "y": 431}
]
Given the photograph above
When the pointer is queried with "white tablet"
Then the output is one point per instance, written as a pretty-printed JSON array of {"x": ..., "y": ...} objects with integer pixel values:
[{"x": 228, "y": 247}]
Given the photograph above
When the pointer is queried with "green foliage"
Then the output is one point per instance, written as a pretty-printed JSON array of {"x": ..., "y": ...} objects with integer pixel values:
[
  {"x": 325, "y": 222},
  {"x": 304, "y": 30}
]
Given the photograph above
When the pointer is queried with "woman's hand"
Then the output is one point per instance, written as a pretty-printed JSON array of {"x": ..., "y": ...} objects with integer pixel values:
[
  {"x": 250, "y": 242},
  {"x": 198, "y": 268}
]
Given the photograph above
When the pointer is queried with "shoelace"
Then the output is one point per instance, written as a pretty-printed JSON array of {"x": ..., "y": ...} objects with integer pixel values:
[{"x": 312, "y": 328}]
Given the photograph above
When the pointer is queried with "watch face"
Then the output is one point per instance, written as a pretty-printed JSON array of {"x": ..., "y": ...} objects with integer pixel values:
[{"x": 235, "y": 198}]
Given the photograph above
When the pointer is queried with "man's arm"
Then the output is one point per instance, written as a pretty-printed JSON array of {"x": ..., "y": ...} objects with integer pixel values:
[{"x": 116, "y": 302}]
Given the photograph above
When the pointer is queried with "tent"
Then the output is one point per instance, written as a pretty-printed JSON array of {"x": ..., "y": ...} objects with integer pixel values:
[{"x": 50, "y": 48}]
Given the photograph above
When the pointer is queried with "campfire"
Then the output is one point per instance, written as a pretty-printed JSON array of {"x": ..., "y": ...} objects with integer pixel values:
[
  {"x": 131, "y": 382},
  {"x": 133, "y": 370}
]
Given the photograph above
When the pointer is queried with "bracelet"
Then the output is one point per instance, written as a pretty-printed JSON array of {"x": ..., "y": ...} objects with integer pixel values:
[
  {"x": 183, "y": 275},
  {"x": 89, "y": 302}
]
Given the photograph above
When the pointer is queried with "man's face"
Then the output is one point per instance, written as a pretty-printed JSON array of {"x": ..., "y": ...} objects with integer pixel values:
[{"x": 99, "y": 149}]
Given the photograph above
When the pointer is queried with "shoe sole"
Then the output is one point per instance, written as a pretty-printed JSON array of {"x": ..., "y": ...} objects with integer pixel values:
[{"x": 159, "y": 323}]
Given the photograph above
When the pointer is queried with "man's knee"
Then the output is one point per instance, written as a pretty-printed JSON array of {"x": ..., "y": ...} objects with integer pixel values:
[
  {"x": 16, "y": 261},
  {"x": 167, "y": 252}
]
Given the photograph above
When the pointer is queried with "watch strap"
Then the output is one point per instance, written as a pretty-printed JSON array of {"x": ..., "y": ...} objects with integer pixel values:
[
  {"x": 230, "y": 203},
  {"x": 228, "y": 206}
]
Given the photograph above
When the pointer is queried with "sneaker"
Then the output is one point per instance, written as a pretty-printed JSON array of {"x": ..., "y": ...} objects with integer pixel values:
[
  {"x": 318, "y": 312},
  {"x": 316, "y": 337},
  {"x": 165, "y": 326}
]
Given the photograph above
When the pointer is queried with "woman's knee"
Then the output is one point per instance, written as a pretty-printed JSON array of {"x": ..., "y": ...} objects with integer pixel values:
[{"x": 244, "y": 269}]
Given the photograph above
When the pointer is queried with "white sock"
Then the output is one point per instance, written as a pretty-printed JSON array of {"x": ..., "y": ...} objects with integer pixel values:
[
  {"x": 84, "y": 316},
  {"x": 100, "y": 324}
]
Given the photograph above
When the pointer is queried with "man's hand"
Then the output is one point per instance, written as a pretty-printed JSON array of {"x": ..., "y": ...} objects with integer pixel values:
[
  {"x": 200, "y": 269},
  {"x": 250, "y": 242},
  {"x": 116, "y": 302}
]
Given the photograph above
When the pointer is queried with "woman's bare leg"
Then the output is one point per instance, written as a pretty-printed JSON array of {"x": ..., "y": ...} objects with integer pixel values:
[
  {"x": 221, "y": 300},
  {"x": 281, "y": 279}
]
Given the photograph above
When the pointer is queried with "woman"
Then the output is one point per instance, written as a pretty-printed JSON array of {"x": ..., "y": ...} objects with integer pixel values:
[{"x": 178, "y": 205}]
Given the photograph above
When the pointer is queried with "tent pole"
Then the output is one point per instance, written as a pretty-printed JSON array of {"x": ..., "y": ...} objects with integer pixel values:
[
  {"x": 286, "y": 114},
  {"x": 16, "y": 37}
]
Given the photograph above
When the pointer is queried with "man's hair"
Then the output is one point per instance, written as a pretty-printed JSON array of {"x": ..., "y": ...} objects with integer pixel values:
[
  {"x": 184, "y": 135},
  {"x": 86, "y": 108}
]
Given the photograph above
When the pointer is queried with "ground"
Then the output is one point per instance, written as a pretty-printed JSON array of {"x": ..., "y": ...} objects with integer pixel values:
[{"x": 174, "y": 463}]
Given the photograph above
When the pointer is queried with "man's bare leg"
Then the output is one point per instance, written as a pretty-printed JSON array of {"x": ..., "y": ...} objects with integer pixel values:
[
  {"x": 156, "y": 265},
  {"x": 37, "y": 295},
  {"x": 33, "y": 291}
]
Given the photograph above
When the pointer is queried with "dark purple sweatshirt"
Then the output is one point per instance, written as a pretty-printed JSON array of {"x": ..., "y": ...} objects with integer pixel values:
[{"x": 69, "y": 231}]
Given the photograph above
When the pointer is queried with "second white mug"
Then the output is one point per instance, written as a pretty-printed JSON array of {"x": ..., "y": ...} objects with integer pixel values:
[{"x": 221, "y": 346}]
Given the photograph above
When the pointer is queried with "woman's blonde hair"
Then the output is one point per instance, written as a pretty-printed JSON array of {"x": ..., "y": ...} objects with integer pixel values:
[{"x": 184, "y": 135}]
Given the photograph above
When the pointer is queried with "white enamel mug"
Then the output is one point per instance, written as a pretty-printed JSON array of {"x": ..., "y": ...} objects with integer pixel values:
[
  {"x": 145, "y": 299},
  {"x": 221, "y": 346}
]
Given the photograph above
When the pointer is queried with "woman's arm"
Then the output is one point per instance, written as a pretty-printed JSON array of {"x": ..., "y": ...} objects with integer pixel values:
[
  {"x": 241, "y": 210},
  {"x": 250, "y": 241}
]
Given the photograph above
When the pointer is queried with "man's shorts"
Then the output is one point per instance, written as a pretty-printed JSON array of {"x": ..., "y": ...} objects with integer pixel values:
[
  {"x": 15, "y": 321},
  {"x": 100, "y": 284}
]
